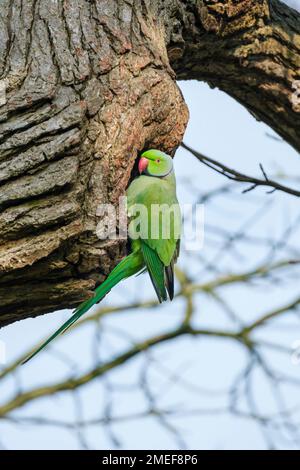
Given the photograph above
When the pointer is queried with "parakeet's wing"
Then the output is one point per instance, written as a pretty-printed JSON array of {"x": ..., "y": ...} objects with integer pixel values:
[
  {"x": 160, "y": 240},
  {"x": 156, "y": 271}
]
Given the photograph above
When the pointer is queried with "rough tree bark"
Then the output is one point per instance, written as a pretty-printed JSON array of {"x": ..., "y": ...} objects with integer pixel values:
[{"x": 89, "y": 84}]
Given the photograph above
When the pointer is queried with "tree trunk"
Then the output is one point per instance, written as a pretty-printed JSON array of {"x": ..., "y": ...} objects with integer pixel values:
[{"x": 85, "y": 85}]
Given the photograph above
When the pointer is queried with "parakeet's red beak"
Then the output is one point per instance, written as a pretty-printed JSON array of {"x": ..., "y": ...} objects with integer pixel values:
[{"x": 143, "y": 163}]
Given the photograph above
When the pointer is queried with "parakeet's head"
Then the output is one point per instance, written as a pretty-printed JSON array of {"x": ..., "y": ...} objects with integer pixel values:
[{"x": 155, "y": 163}]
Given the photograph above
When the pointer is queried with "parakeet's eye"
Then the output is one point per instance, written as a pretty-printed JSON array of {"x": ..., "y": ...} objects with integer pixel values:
[{"x": 158, "y": 160}]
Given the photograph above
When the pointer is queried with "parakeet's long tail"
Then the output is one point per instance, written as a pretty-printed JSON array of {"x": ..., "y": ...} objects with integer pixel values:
[{"x": 129, "y": 266}]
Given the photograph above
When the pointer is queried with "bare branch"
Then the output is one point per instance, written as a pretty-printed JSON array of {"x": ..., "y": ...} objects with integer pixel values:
[{"x": 234, "y": 175}]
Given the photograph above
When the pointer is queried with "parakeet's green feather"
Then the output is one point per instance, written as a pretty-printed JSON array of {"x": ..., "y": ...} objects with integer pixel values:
[
  {"x": 156, "y": 270},
  {"x": 129, "y": 266},
  {"x": 169, "y": 279},
  {"x": 157, "y": 250},
  {"x": 152, "y": 192}
]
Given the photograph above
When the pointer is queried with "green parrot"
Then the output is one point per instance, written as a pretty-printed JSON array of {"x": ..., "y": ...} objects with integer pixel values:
[{"x": 154, "y": 234}]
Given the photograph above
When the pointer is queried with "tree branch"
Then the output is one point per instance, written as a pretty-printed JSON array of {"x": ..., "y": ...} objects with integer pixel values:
[
  {"x": 249, "y": 49},
  {"x": 234, "y": 175}
]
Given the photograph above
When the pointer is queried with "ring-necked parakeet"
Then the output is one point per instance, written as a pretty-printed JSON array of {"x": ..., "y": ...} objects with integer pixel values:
[{"x": 154, "y": 239}]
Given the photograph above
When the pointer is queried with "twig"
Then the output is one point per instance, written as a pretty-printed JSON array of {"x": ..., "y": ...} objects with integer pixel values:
[{"x": 240, "y": 177}]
